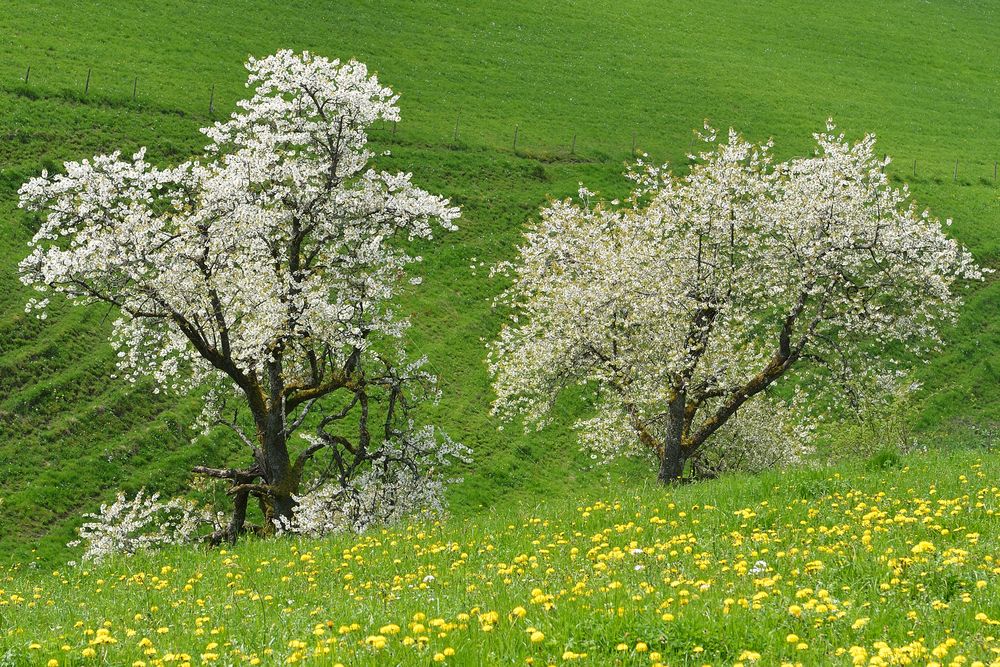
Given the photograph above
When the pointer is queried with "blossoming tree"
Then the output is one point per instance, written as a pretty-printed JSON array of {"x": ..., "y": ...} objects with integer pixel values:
[
  {"x": 704, "y": 292},
  {"x": 265, "y": 270}
]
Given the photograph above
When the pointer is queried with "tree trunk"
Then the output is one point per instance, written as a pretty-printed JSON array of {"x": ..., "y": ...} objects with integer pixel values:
[
  {"x": 278, "y": 472},
  {"x": 279, "y": 476},
  {"x": 239, "y": 515},
  {"x": 672, "y": 456}
]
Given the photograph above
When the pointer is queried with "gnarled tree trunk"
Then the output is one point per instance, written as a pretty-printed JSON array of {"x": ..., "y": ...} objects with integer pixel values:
[
  {"x": 672, "y": 455},
  {"x": 279, "y": 475}
]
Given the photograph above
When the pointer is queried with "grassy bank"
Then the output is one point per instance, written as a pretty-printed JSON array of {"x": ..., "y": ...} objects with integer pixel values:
[{"x": 886, "y": 562}]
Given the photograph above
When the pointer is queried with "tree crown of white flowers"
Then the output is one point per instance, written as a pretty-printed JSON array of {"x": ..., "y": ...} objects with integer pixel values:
[
  {"x": 704, "y": 289},
  {"x": 279, "y": 238}
]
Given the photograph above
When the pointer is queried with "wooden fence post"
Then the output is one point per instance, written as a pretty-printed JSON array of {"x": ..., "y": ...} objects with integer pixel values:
[
  {"x": 86, "y": 86},
  {"x": 516, "y": 128},
  {"x": 135, "y": 88},
  {"x": 211, "y": 101},
  {"x": 27, "y": 74}
]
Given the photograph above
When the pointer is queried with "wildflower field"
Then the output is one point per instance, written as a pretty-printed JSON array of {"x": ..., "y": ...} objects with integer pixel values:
[
  {"x": 863, "y": 565},
  {"x": 878, "y": 545}
]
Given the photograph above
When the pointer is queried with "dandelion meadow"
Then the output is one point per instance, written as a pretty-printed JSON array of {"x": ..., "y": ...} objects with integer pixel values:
[
  {"x": 643, "y": 333},
  {"x": 851, "y": 566}
]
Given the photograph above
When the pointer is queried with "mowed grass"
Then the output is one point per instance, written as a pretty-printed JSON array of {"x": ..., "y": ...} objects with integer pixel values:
[
  {"x": 860, "y": 564},
  {"x": 592, "y": 76}
]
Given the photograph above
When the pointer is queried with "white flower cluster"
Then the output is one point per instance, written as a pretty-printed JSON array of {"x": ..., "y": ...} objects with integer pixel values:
[
  {"x": 880, "y": 418},
  {"x": 703, "y": 291},
  {"x": 406, "y": 478},
  {"x": 766, "y": 433},
  {"x": 280, "y": 237},
  {"x": 144, "y": 522}
]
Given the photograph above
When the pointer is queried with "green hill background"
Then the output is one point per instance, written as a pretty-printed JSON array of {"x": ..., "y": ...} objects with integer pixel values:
[{"x": 582, "y": 82}]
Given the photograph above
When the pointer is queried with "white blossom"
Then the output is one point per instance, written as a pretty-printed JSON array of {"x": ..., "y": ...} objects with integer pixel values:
[
  {"x": 702, "y": 291},
  {"x": 143, "y": 522},
  {"x": 171, "y": 243},
  {"x": 407, "y": 479}
]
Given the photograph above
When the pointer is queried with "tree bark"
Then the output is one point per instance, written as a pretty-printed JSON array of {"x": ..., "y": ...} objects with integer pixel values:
[
  {"x": 672, "y": 455},
  {"x": 278, "y": 473},
  {"x": 239, "y": 515}
]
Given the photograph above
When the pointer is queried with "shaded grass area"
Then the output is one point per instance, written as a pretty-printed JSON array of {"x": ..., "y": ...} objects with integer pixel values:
[{"x": 590, "y": 73}]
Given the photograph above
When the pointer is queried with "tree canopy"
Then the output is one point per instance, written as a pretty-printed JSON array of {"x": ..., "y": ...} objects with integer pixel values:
[{"x": 702, "y": 291}]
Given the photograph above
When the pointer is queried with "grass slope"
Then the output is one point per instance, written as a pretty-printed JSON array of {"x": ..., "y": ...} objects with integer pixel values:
[
  {"x": 851, "y": 565},
  {"x": 598, "y": 74}
]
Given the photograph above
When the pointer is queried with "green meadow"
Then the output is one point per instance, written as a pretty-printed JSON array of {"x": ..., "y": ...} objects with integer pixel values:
[{"x": 890, "y": 562}]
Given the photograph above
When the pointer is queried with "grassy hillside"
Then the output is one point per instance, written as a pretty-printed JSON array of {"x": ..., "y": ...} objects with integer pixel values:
[
  {"x": 844, "y": 566},
  {"x": 588, "y": 74}
]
